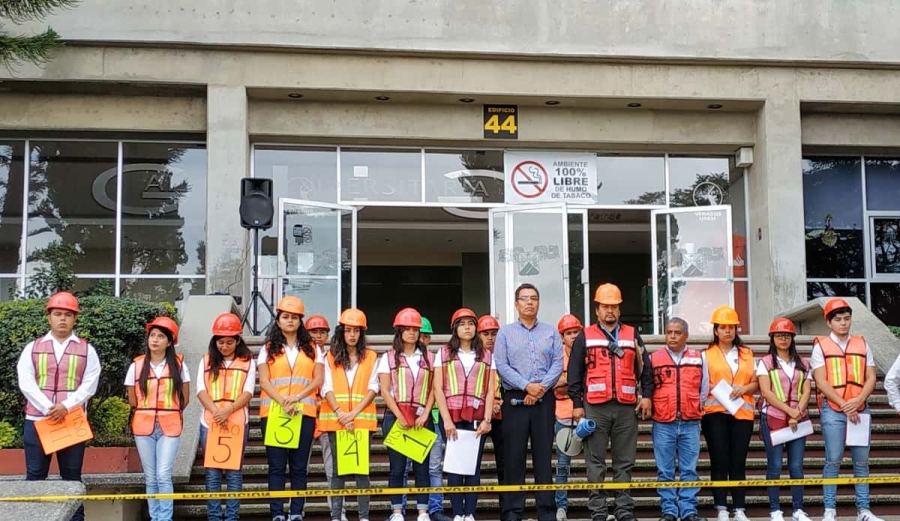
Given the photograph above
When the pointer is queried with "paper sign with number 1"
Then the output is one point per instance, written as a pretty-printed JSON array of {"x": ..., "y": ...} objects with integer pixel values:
[
  {"x": 353, "y": 452},
  {"x": 412, "y": 443},
  {"x": 282, "y": 429},
  {"x": 224, "y": 446},
  {"x": 55, "y": 436}
]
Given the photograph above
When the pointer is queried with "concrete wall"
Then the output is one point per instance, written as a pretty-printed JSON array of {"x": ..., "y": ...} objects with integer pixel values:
[{"x": 765, "y": 30}]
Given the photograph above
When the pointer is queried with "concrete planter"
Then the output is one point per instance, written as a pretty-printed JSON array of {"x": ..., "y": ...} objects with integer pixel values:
[{"x": 97, "y": 460}]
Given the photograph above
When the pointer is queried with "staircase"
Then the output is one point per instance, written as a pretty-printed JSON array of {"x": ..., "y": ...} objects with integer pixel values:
[{"x": 884, "y": 459}]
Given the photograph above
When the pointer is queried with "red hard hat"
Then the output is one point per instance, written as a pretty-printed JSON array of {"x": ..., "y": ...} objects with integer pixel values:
[
  {"x": 567, "y": 322},
  {"x": 227, "y": 324},
  {"x": 317, "y": 322},
  {"x": 63, "y": 300},
  {"x": 488, "y": 323},
  {"x": 463, "y": 313},
  {"x": 164, "y": 323},
  {"x": 408, "y": 317},
  {"x": 782, "y": 325},
  {"x": 835, "y": 303}
]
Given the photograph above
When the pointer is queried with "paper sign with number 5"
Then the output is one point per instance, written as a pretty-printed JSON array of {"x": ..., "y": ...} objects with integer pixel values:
[
  {"x": 282, "y": 429},
  {"x": 353, "y": 452},
  {"x": 224, "y": 446},
  {"x": 413, "y": 443},
  {"x": 55, "y": 436}
]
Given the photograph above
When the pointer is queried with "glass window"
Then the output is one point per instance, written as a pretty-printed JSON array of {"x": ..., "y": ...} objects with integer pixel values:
[
  {"x": 737, "y": 197},
  {"x": 886, "y": 303},
  {"x": 12, "y": 177},
  {"x": 836, "y": 289},
  {"x": 886, "y": 245},
  {"x": 381, "y": 175},
  {"x": 464, "y": 176},
  {"x": 699, "y": 181},
  {"x": 175, "y": 291},
  {"x": 298, "y": 173},
  {"x": 163, "y": 209},
  {"x": 742, "y": 305},
  {"x": 72, "y": 199},
  {"x": 883, "y": 184},
  {"x": 9, "y": 289},
  {"x": 833, "y": 216},
  {"x": 631, "y": 180}
]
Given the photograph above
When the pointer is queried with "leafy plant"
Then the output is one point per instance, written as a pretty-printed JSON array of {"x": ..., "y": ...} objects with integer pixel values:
[
  {"x": 8, "y": 436},
  {"x": 110, "y": 423},
  {"x": 56, "y": 273},
  {"x": 34, "y": 49}
]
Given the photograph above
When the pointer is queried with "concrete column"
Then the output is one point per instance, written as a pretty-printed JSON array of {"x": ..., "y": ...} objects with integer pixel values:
[
  {"x": 777, "y": 251},
  {"x": 228, "y": 160}
]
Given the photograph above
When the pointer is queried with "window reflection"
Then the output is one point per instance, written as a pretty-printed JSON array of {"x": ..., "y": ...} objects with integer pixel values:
[
  {"x": 381, "y": 175},
  {"x": 12, "y": 177},
  {"x": 832, "y": 208},
  {"x": 468, "y": 176},
  {"x": 631, "y": 180},
  {"x": 836, "y": 289},
  {"x": 886, "y": 303},
  {"x": 883, "y": 184}
]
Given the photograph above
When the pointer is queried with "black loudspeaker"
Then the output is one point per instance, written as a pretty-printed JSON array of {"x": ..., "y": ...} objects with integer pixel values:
[{"x": 256, "y": 207}]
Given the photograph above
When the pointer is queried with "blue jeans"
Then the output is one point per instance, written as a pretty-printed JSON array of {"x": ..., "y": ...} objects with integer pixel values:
[
  {"x": 795, "y": 451},
  {"x": 464, "y": 504},
  {"x": 234, "y": 482},
  {"x": 37, "y": 464},
  {"x": 834, "y": 431},
  {"x": 398, "y": 463},
  {"x": 157, "y": 457},
  {"x": 436, "y": 469},
  {"x": 563, "y": 464},
  {"x": 683, "y": 438},
  {"x": 280, "y": 459}
]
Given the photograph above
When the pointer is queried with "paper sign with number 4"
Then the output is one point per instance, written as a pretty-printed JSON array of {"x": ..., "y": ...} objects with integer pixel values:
[
  {"x": 55, "y": 436},
  {"x": 282, "y": 429},
  {"x": 353, "y": 452},
  {"x": 224, "y": 446},
  {"x": 413, "y": 443}
]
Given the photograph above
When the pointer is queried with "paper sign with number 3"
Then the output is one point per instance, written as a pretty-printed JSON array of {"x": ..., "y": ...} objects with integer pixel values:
[
  {"x": 224, "y": 446},
  {"x": 353, "y": 452},
  {"x": 282, "y": 429},
  {"x": 413, "y": 443},
  {"x": 55, "y": 436}
]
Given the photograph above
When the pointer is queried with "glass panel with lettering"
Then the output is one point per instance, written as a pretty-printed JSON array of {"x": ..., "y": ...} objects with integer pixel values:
[
  {"x": 464, "y": 176},
  {"x": 12, "y": 178},
  {"x": 387, "y": 175},
  {"x": 631, "y": 180},
  {"x": 833, "y": 216}
]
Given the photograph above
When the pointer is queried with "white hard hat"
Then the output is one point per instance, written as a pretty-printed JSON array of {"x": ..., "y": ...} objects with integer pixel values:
[{"x": 567, "y": 442}]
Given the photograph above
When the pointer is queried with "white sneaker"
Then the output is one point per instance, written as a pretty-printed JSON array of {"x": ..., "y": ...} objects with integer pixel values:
[
  {"x": 344, "y": 517},
  {"x": 830, "y": 515},
  {"x": 800, "y": 515},
  {"x": 739, "y": 515},
  {"x": 396, "y": 516},
  {"x": 722, "y": 516},
  {"x": 423, "y": 517},
  {"x": 777, "y": 515},
  {"x": 561, "y": 514},
  {"x": 469, "y": 518},
  {"x": 867, "y": 515},
  {"x": 458, "y": 518}
]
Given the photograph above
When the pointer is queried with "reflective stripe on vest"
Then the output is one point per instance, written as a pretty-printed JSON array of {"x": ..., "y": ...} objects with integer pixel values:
[
  {"x": 289, "y": 380},
  {"x": 676, "y": 390},
  {"x": 406, "y": 389},
  {"x": 227, "y": 387},
  {"x": 608, "y": 376},
  {"x": 57, "y": 379},
  {"x": 783, "y": 386},
  {"x": 160, "y": 402},
  {"x": 464, "y": 390},
  {"x": 720, "y": 370},
  {"x": 348, "y": 396},
  {"x": 845, "y": 371}
]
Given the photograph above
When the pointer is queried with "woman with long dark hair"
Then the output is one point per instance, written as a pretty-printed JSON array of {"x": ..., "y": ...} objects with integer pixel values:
[
  {"x": 464, "y": 390},
  {"x": 158, "y": 390},
  {"x": 226, "y": 381},
  {"x": 727, "y": 436},
  {"x": 784, "y": 384},
  {"x": 291, "y": 372},
  {"x": 405, "y": 374}
]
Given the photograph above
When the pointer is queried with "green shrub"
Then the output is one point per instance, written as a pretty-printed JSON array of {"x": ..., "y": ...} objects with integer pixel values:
[
  {"x": 111, "y": 417},
  {"x": 8, "y": 436},
  {"x": 895, "y": 330},
  {"x": 114, "y": 326}
]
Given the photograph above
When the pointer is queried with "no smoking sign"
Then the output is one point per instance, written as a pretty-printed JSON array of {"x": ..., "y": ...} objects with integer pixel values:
[{"x": 529, "y": 179}]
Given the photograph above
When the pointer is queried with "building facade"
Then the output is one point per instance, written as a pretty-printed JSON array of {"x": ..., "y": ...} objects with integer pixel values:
[{"x": 437, "y": 154}]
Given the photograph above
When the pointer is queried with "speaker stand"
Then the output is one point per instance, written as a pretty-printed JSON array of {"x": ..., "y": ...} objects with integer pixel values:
[{"x": 255, "y": 295}]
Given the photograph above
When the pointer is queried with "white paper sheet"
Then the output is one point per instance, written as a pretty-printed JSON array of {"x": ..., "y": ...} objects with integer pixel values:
[
  {"x": 858, "y": 433},
  {"x": 786, "y": 434},
  {"x": 721, "y": 392},
  {"x": 461, "y": 454}
]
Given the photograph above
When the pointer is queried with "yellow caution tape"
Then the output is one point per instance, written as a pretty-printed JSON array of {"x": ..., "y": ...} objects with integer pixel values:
[{"x": 384, "y": 491}]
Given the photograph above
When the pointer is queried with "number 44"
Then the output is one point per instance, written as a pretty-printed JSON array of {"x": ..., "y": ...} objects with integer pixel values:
[{"x": 509, "y": 124}]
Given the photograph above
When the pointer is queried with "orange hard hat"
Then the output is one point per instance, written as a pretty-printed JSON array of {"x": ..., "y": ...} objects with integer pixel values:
[
  {"x": 782, "y": 325},
  {"x": 725, "y": 316},
  {"x": 488, "y": 323},
  {"x": 463, "y": 313},
  {"x": 608, "y": 294},
  {"x": 227, "y": 324},
  {"x": 164, "y": 323},
  {"x": 290, "y": 304},
  {"x": 408, "y": 317},
  {"x": 353, "y": 317},
  {"x": 316, "y": 322},
  {"x": 63, "y": 300},
  {"x": 567, "y": 322},
  {"x": 835, "y": 303}
]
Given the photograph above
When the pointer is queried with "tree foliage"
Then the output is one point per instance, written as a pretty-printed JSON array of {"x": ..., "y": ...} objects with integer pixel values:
[{"x": 36, "y": 49}]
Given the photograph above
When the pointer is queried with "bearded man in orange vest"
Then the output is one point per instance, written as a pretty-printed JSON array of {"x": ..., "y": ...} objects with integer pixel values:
[{"x": 606, "y": 364}]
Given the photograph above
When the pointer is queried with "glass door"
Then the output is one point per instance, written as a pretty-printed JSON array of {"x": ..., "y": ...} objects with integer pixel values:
[
  {"x": 317, "y": 255},
  {"x": 693, "y": 265}
]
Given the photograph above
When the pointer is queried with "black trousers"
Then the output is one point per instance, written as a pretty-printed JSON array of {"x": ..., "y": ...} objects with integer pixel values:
[
  {"x": 728, "y": 440},
  {"x": 496, "y": 435},
  {"x": 521, "y": 423}
]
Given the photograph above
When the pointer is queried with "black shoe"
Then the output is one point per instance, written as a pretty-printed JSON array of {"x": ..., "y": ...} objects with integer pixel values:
[
  {"x": 694, "y": 517},
  {"x": 600, "y": 517},
  {"x": 667, "y": 517},
  {"x": 626, "y": 516},
  {"x": 439, "y": 516}
]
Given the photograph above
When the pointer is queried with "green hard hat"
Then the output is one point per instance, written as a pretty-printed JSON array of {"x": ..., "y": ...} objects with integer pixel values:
[{"x": 426, "y": 327}]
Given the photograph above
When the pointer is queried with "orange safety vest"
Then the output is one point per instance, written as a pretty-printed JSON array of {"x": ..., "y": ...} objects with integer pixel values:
[
  {"x": 466, "y": 393},
  {"x": 57, "y": 379},
  {"x": 290, "y": 380},
  {"x": 845, "y": 371},
  {"x": 348, "y": 395},
  {"x": 498, "y": 395},
  {"x": 720, "y": 370},
  {"x": 609, "y": 377},
  {"x": 676, "y": 387},
  {"x": 227, "y": 387},
  {"x": 563, "y": 402},
  {"x": 159, "y": 405},
  {"x": 409, "y": 393},
  {"x": 787, "y": 389}
]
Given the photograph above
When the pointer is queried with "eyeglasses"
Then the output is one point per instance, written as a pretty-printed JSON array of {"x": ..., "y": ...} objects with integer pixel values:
[
  {"x": 528, "y": 299},
  {"x": 782, "y": 336}
]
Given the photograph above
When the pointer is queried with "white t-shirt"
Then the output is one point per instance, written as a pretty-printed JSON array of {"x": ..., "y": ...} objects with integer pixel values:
[
  {"x": 291, "y": 353},
  {"x": 249, "y": 385},
  {"x": 130, "y": 377},
  {"x": 466, "y": 357},
  {"x": 412, "y": 360},
  {"x": 328, "y": 383},
  {"x": 732, "y": 357},
  {"x": 786, "y": 366},
  {"x": 817, "y": 359}
]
